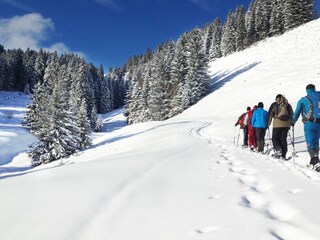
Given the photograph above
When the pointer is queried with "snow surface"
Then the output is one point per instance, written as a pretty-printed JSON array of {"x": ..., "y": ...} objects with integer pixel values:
[{"x": 179, "y": 179}]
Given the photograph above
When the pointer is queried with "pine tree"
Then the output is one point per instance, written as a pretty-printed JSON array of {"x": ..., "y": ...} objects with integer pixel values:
[
  {"x": 2, "y": 73},
  {"x": 106, "y": 102},
  {"x": 157, "y": 86},
  {"x": 250, "y": 24},
  {"x": 84, "y": 125},
  {"x": 57, "y": 133},
  {"x": 197, "y": 79},
  {"x": 277, "y": 18},
  {"x": 262, "y": 18},
  {"x": 241, "y": 32},
  {"x": 215, "y": 48},
  {"x": 178, "y": 75},
  {"x": 298, "y": 12},
  {"x": 228, "y": 38},
  {"x": 40, "y": 66}
]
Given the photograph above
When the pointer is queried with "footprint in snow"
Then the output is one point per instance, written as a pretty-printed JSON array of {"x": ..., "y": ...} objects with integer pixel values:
[
  {"x": 207, "y": 230},
  {"x": 295, "y": 190},
  {"x": 216, "y": 196},
  {"x": 236, "y": 163},
  {"x": 255, "y": 184},
  {"x": 243, "y": 170},
  {"x": 254, "y": 200},
  {"x": 285, "y": 231},
  {"x": 222, "y": 162},
  {"x": 281, "y": 211}
]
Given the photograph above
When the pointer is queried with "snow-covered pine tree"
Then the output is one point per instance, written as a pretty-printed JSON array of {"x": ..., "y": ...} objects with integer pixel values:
[
  {"x": 60, "y": 136},
  {"x": 40, "y": 65},
  {"x": 241, "y": 31},
  {"x": 197, "y": 78},
  {"x": 99, "y": 124},
  {"x": 14, "y": 63},
  {"x": 169, "y": 84},
  {"x": 215, "y": 48},
  {"x": 207, "y": 37},
  {"x": 134, "y": 107},
  {"x": 106, "y": 102},
  {"x": 2, "y": 72},
  {"x": 228, "y": 38},
  {"x": 157, "y": 85},
  {"x": 178, "y": 75},
  {"x": 83, "y": 124},
  {"x": 262, "y": 18},
  {"x": 297, "y": 12},
  {"x": 144, "y": 113},
  {"x": 37, "y": 115},
  {"x": 277, "y": 18},
  {"x": 250, "y": 24},
  {"x": 27, "y": 73},
  {"x": 51, "y": 73}
]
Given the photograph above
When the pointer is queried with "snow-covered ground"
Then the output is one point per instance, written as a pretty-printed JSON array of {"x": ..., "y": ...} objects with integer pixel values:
[{"x": 179, "y": 179}]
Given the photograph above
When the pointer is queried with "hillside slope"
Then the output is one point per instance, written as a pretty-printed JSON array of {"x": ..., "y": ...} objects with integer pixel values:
[{"x": 181, "y": 179}]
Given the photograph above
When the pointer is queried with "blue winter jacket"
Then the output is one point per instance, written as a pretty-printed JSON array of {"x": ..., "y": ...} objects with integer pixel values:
[
  {"x": 259, "y": 118},
  {"x": 303, "y": 107}
]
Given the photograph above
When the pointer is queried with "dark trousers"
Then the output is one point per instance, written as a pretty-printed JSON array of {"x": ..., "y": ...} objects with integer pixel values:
[
  {"x": 245, "y": 132},
  {"x": 260, "y": 132},
  {"x": 279, "y": 140}
]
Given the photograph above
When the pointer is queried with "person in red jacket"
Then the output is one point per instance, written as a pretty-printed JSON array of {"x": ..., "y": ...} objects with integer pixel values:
[{"x": 243, "y": 122}]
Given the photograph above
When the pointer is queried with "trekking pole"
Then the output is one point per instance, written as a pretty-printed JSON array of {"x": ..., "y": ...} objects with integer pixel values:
[
  {"x": 238, "y": 137},
  {"x": 294, "y": 149},
  {"x": 234, "y": 136},
  {"x": 268, "y": 142}
]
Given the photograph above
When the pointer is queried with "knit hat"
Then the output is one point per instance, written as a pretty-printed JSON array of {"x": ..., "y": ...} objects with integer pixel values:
[
  {"x": 260, "y": 105},
  {"x": 279, "y": 96},
  {"x": 248, "y": 108},
  {"x": 311, "y": 86}
]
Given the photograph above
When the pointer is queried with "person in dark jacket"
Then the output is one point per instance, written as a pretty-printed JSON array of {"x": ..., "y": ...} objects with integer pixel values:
[
  {"x": 282, "y": 113},
  {"x": 259, "y": 122}
]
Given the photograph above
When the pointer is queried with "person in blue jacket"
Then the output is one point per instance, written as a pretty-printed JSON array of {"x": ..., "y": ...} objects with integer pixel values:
[
  {"x": 311, "y": 128},
  {"x": 259, "y": 122}
]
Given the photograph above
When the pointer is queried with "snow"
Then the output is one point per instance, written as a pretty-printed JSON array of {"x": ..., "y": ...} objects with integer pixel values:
[{"x": 178, "y": 179}]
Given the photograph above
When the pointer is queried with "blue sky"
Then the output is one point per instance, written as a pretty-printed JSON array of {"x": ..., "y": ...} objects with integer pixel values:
[{"x": 105, "y": 32}]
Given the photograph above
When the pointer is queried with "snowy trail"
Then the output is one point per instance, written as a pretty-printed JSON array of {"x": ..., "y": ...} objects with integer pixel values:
[{"x": 258, "y": 194}]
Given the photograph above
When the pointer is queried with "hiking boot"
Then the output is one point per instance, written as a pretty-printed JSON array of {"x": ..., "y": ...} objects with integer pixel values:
[{"x": 314, "y": 161}]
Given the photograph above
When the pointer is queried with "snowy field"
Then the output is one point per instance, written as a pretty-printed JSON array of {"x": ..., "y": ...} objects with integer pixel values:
[{"x": 181, "y": 179}]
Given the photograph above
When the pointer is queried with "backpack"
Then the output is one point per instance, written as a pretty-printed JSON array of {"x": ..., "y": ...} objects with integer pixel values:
[
  {"x": 242, "y": 118},
  {"x": 282, "y": 112},
  {"x": 313, "y": 114}
]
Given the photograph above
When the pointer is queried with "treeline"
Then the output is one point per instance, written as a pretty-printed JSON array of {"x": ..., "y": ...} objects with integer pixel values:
[
  {"x": 65, "y": 104},
  {"x": 68, "y": 95},
  {"x": 174, "y": 77}
]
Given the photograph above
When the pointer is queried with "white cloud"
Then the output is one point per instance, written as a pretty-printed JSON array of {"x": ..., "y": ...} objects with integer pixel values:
[
  {"x": 28, "y": 31},
  {"x": 62, "y": 48},
  {"x": 24, "y": 31}
]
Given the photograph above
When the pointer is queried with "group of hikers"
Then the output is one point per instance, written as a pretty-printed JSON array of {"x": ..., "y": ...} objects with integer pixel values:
[{"x": 255, "y": 122}]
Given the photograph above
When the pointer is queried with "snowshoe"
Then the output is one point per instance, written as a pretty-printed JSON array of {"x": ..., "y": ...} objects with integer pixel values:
[
  {"x": 315, "y": 163},
  {"x": 316, "y": 167},
  {"x": 277, "y": 154}
]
